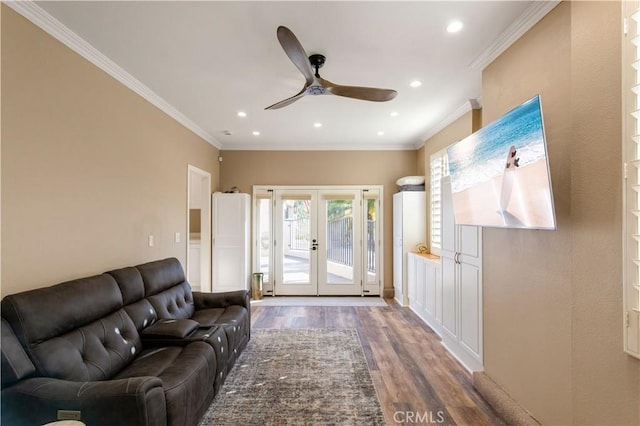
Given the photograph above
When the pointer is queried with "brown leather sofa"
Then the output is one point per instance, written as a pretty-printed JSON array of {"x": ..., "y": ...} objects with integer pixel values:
[{"x": 132, "y": 346}]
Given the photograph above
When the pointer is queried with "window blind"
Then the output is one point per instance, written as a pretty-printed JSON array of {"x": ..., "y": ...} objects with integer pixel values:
[{"x": 439, "y": 168}]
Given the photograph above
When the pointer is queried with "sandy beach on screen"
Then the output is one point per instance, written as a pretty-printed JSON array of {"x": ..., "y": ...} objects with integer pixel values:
[{"x": 529, "y": 205}]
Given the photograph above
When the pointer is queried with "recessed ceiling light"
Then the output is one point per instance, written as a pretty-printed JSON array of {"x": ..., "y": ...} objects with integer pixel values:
[
  {"x": 242, "y": 114},
  {"x": 454, "y": 26},
  {"x": 394, "y": 114},
  {"x": 415, "y": 83},
  {"x": 380, "y": 133},
  {"x": 317, "y": 125},
  {"x": 256, "y": 133}
]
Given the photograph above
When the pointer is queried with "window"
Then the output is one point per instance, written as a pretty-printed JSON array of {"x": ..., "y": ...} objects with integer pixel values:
[
  {"x": 439, "y": 169},
  {"x": 631, "y": 154}
]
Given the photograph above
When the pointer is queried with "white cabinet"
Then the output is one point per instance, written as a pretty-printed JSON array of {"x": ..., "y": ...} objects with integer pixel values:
[
  {"x": 461, "y": 286},
  {"x": 230, "y": 227},
  {"x": 425, "y": 289},
  {"x": 409, "y": 230}
]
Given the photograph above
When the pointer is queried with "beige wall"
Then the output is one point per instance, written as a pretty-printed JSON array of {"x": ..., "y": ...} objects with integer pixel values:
[
  {"x": 553, "y": 299},
  {"x": 89, "y": 169},
  {"x": 247, "y": 168}
]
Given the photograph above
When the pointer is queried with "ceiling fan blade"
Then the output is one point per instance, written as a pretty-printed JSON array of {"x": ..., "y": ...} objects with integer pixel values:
[
  {"x": 295, "y": 52},
  {"x": 363, "y": 93},
  {"x": 288, "y": 101}
]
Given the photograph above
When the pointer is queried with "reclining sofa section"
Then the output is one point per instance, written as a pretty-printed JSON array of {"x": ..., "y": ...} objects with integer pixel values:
[{"x": 132, "y": 346}]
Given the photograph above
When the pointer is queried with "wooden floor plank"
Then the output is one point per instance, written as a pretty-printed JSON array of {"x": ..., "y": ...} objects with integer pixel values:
[{"x": 416, "y": 379}]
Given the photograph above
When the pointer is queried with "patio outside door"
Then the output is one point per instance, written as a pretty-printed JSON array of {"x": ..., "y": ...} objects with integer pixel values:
[{"x": 318, "y": 241}]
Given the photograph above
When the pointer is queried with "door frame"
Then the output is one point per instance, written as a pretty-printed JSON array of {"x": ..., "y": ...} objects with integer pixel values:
[
  {"x": 204, "y": 199},
  {"x": 268, "y": 191}
]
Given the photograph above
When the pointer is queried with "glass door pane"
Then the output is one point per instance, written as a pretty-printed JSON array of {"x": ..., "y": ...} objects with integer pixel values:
[
  {"x": 371, "y": 264},
  {"x": 339, "y": 243},
  {"x": 296, "y": 250},
  {"x": 264, "y": 244}
]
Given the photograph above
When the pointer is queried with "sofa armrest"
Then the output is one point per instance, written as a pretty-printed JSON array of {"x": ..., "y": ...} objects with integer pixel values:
[
  {"x": 222, "y": 300},
  {"x": 136, "y": 400}
]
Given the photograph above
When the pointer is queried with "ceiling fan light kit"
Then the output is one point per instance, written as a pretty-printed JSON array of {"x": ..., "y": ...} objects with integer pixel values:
[{"x": 316, "y": 85}]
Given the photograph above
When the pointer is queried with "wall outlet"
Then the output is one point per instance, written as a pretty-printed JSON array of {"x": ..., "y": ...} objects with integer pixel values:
[
  {"x": 176, "y": 237},
  {"x": 150, "y": 240}
]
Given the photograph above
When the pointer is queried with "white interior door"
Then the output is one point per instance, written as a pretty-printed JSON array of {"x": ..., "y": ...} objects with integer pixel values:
[{"x": 198, "y": 241}]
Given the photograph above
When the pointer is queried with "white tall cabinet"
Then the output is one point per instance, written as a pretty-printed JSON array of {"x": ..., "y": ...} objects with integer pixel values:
[
  {"x": 409, "y": 230},
  {"x": 461, "y": 286},
  {"x": 231, "y": 256}
]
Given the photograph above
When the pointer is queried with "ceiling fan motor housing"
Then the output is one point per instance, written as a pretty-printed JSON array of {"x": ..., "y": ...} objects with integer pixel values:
[{"x": 316, "y": 90}]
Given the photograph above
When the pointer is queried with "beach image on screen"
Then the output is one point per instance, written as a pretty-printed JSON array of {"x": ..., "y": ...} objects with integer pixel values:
[{"x": 500, "y": 174}]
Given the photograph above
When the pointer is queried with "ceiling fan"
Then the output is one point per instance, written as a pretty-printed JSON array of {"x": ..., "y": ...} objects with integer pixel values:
[{"x": 316, "y": 85}]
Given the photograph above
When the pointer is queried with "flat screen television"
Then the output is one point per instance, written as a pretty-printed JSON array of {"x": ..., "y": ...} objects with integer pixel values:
[{"x": 500, "y": 174}]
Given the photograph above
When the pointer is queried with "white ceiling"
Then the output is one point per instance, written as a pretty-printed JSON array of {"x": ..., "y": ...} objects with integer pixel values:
[{"x": 202, "y": 62}]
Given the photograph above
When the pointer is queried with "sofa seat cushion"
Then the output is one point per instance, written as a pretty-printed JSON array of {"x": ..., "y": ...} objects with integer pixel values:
[
  {"x": 217, "y": 338},
  {"x": 209, "y": 317},
  {"x": 187, "y": 374},
  {"x": 235, "y": 322}
]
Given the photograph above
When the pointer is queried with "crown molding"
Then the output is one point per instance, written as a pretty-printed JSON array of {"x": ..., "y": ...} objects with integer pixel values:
[
  {"x": 528, "y": 19},
  {"x": 324, "y": 147},
  {"x": 459, "y": 112},
  {"x": 60, "y": 32}
]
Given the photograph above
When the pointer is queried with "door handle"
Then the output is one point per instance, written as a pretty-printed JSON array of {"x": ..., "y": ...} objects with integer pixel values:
[{"x": 314, "y": 245}]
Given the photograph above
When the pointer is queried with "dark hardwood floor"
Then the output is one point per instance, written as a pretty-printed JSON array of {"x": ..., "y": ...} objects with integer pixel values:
[{"x": 417, "y": 380}]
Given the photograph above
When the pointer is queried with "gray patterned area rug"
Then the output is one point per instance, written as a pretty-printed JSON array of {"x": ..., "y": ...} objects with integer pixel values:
[{"x": 298, "y": 377}]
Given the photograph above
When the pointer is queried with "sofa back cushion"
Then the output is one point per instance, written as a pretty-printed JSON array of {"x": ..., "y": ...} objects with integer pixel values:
[
  {"x": 130, "y": 283},
  {"x": 16, "y": 365},
  {"x": 174, "y": 303},
  {"x": 141, "y": 313},
  {"x": 96, "y": 351},
  {"x": 44, "y": 313},
  {"x": 167, "y": 289},
  {"x": 75, "y": 330}
]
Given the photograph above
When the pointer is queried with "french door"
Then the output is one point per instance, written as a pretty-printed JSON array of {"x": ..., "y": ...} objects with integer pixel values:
[{"x": 312, "y": 242}]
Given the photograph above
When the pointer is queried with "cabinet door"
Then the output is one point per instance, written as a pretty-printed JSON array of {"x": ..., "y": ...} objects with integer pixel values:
[
  {"x": 470, "y": 308},
  {"x": 438, "y": 292},
  {"x": 421, "y": 278},
  {"x": 449, "y": 305},
  {"x": 470, "y": 244},
  {"x": 430, "y": 289},
  {"x": 412, "y": 278}
]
